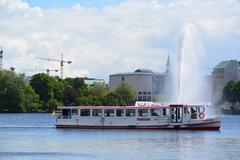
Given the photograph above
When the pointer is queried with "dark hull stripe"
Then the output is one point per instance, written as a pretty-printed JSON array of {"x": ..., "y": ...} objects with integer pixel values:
[{"x": 141, "y": 127}]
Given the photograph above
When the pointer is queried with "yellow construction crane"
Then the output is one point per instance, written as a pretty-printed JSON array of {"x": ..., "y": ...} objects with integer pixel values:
[
  {"x": 57, "y": 60},
  {"x": 51, "y": 70}
]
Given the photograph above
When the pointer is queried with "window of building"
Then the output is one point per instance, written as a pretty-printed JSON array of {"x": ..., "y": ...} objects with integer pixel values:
[
  {"x": 74, "y": 112},
  {"x": 108, "y": 112},
  {"x": 155, "y": 112},
  {"x": 85, "y": 112},
  {"x": 142, "y": 112},
  {"x": 149, "y": 98},
  {"x": 139, "y": 92},
  {"x": 130, "y": 112},
  {"x": 119, "y": 113},
  {"x": 149, "y": 93},
  {"x": 97, "y": 112},
  {"x": 139, "y": 98},
  {"x": 144, "y": 92},
  {"x": 144, "y": 98}
]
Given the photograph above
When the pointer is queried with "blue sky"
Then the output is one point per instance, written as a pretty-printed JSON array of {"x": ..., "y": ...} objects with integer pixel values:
[
  {"x": 69, "y": 3},
  {"x": 104, "y": 37},
  {"x": 87, "y": 3}
]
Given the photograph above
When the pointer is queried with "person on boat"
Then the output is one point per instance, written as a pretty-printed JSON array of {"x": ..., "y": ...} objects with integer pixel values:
[{"x": 193, "y": 113}]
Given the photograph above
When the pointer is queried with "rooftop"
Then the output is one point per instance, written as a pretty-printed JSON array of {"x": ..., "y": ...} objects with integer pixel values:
[
  {"x": 144, "y": 71},
  {"x": 139, "y": 72},
  {"x": 135, "y": 107},
  {"x": 222, "y": 64}
]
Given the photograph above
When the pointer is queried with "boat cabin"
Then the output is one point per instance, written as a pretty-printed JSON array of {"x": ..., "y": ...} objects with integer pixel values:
[{"x": 175, "y": 113}]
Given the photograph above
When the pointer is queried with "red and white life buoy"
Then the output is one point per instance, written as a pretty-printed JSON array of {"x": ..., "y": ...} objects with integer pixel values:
[{"x": 201, "y": 115}]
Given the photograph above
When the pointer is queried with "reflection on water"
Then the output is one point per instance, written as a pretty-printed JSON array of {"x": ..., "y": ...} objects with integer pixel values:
[{"x": 33, "y": 136}]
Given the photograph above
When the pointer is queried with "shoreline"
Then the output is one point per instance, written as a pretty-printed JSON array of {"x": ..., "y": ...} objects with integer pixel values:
[{"x": 23, "y": 112}]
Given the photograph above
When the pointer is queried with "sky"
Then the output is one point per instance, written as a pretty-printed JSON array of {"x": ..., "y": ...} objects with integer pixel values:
[
  {"x": 69, "y": 3},
  {"x": 103, "y": 37}
]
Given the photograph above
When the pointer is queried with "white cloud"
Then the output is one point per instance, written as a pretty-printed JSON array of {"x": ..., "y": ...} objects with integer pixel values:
[
  {"x": 14, "y": 5},
  {"x": 115, "y": 38}
]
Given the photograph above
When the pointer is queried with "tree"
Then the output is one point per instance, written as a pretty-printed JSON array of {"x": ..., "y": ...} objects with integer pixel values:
[
  {"x": 16, "y": 95},
  {"x": 231, "y": 92},
  {"x": 77, "y": 84},
  {"x": 93, "y": 95},
  {"x": 88, "y": 101},
  {"x": 48, "y": 88},
  {"x": 52, "y": 105},
  {"x": 237, "y": 88},
  {"x": 113, "y": 99},
  {"x": 31, "y": 101},
  {"x": 70, "y": 95},
  {"x": 58, "y": 89},
  {"x": 97, "y": 91},
  {"x": 127, "y": 93}
]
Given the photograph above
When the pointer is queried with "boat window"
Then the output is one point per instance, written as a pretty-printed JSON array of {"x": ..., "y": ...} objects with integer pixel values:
[
  {"x": 59, "y": 113},
  {"x": 74, "y": 112},
  {"x": 201, "y": 110},
  {"x": 97, "y": 112},
  {"x": 155, "y": 112},
  {"x": 142, "y": 112},
  {"x": 165, "y": 111},
  {"x": 186, "y": 111},
  {"x": 193, "y": 113},
  {"x": 85, "y": 112},
  {"x": 108, "y": 112},
  {"x": 66, "y": 112},
  {"x": 119, "y": 112},
  {"x": 130, "y": 112}
]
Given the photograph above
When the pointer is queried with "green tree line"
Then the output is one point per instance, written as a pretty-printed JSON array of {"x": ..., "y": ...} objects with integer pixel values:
[
  {"x": 43, "y": 93},
  {"x": 231, "y": 92}
]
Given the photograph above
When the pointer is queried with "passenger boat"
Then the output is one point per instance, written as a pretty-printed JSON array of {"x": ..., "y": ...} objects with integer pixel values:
[{"x": 147, "y": 116}]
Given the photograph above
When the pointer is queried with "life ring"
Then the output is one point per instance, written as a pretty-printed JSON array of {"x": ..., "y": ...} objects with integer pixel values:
[{"x": 201, "y": 115}]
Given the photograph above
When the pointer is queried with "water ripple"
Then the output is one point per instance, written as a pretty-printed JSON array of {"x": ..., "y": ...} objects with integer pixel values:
[{"x": 55, "y": 154}]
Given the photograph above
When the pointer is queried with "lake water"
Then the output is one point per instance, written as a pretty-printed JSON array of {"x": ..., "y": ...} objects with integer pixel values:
[{"x": 33, "y": 137}]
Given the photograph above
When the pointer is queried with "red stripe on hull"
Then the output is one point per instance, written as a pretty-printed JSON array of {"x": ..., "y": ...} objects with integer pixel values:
[
  {"x": 140, "y": 127},
  {"x": 204, "y": 123}
]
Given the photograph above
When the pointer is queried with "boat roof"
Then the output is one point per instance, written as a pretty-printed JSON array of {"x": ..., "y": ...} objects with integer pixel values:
[{"x": 131, "y": 107}]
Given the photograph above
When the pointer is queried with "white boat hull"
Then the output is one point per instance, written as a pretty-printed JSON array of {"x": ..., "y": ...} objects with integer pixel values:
[{"x": 207, "y": 124}]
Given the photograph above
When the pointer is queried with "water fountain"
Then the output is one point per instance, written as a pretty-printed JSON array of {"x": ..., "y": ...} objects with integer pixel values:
[{"x": 188, "y": 76}]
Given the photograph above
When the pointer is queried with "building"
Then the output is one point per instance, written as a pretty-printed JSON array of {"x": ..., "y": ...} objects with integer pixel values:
[
  {"x": 224, "y": 72},
  {"x": 93, "y": 81},
  {"x": 146, "y": 83}
]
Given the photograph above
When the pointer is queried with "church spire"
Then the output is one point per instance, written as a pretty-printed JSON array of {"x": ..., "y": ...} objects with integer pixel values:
[{"x": 168, "y": 70}]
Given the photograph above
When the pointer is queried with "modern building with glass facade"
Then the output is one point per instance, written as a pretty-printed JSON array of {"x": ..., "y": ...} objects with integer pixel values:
[{"x": 93, "y": 81}]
